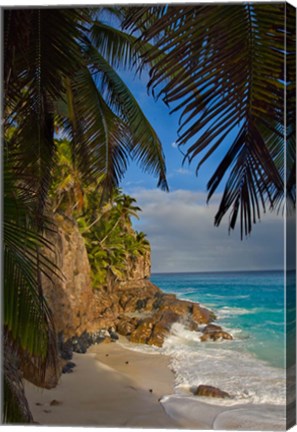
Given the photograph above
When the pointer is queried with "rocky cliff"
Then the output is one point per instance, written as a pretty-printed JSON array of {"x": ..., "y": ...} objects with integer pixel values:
[
  {"x": 134, "y": 308},
  {"x": 76, "y": 306},
  {"x": 70, "y": 298}
]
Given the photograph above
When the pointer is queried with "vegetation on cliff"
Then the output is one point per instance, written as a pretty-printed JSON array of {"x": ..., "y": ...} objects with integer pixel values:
[{"x": 112, "y": 244}]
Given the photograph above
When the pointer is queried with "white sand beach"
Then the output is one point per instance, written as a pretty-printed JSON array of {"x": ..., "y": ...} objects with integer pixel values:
[
  {"x": 110, "y": 386},
  {"x": 115, "y": 387}
]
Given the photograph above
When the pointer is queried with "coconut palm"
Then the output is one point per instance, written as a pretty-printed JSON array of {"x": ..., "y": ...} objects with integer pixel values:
[
  {"x": 230, "y": 87},
  {"x": 110, "y": 240},
  {"x": 77, "y": 90},
  {"x": 142, "y": 242},
  {"x": 60, "y": 78}
]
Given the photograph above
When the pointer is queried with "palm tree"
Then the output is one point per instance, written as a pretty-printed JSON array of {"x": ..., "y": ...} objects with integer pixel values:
[
  {"x": 230, "y": 86},
  {"x": 29, "y": 339},
  {"x": 110, "y": 240},
  {"x": 67, "y": 186},
  {"x": 142, "y": 243},
  {"x": 60, "y": 79},
  {"x": 76, "y": 90}
]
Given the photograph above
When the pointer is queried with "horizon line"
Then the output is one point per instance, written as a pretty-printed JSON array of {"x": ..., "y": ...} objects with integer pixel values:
[{"x": 221, "y": 271}]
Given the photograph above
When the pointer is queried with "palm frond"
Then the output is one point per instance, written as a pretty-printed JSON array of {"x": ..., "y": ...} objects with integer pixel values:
[
  {"x": 231, "y": 79},
  {"x": 145, "y": 147},
  {"x": 35, "y": 41},
  {"x": 118, "y": 48},
  {"x": 27, "y": 319},
  {"x": 100, "y": 138},
  {"x": 35, "y": 79}
]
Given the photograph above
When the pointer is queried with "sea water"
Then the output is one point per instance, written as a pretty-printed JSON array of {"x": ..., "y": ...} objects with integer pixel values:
[{"x": 250, "y": 306}]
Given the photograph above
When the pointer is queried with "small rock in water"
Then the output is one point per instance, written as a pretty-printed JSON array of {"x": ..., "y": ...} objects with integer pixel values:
[
  {"x": 214, "y": 333},
  {"x": 127, "y": 362},
  {"x": 38, "y": 404},
  {"x": 212, "y": 328},
  {"x": 151, "y": 390},
  {"x": 210, "y": 391},
  {"x": 106, "y": 355}
]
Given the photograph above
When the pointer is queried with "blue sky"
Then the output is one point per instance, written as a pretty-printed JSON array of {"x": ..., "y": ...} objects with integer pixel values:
[
  {"x": 179, "y": 224},
  {"x": 166, "y": 125}
]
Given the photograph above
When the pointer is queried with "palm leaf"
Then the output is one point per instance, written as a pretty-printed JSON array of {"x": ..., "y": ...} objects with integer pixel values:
[
  {"x": 100, "y": 139},
  {"x": 145, "y": 145},
  {"x": 27, "y": 320},
  {"x": 35, "y": 79},
  {"x": 118, "y": 48},
  {"x": 230, "y": 59}
]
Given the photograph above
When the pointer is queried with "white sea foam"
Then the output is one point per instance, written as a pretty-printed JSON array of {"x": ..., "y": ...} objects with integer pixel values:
[
  {"x": 189, "y": 290},
  {"x": 146, "y": 349},
  {"x": 226, "y": 365},
  {"x": 226, "y": 297},
  {"x": 221, "y": 364},
  {"x": 227, "y": 311},
  {"x": 246, "y": 378},
  {"x": 274, "y": 324}
]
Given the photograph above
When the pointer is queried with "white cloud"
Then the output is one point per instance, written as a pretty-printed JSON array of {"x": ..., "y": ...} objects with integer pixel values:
[
  {"x": 133, "y": 183},
  {"x": 183, "y": 237},
  {"x": 183, "y": 171}
]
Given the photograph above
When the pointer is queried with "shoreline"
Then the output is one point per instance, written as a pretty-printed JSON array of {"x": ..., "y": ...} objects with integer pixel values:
[
  {"x": 109, "y": 387},
  {"x": 112, "y": 386}
]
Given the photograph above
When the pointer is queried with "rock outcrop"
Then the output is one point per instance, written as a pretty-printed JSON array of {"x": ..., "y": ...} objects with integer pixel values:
[
  {"x": 76, "y": 306},
  {"x": 135, "y": 308},
  {"x": 147, "y": 314},
  {"x": 70, "y": 298},
  {"x": 137, "y": 270}
]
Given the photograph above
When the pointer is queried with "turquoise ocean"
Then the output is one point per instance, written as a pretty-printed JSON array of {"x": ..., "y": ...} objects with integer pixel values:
[{"x": 249, "y": 305}]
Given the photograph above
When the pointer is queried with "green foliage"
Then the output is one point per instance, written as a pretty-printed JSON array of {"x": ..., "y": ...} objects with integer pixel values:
[
  {"x": 22, "y": 263},
  {"x": 111, "y": 242},
  {"x": 60, "y": 74},
  {"x": 53, "y": 66},
  {"x": 66, "y": 187},
  {"x": 27, "y": 320}
]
